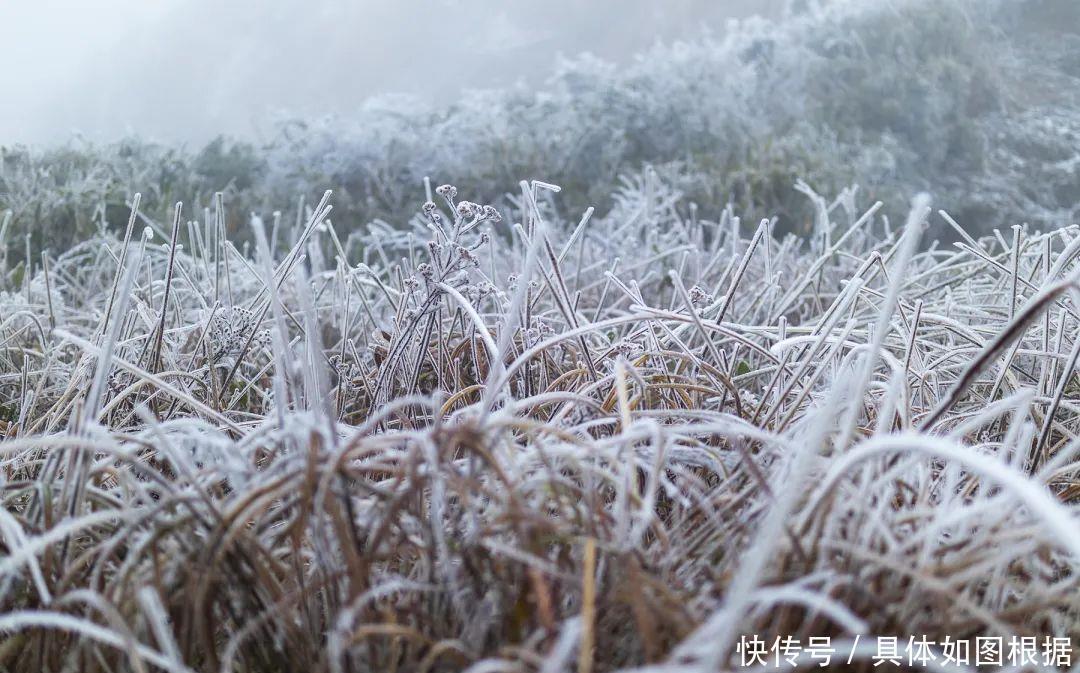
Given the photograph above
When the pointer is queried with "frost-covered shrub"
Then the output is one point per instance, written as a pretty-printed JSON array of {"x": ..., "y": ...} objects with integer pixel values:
[{"x": 907, "y": 96}]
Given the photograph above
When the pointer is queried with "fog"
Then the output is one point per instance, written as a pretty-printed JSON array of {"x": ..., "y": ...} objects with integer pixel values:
[{"x": 187, "y": 70}]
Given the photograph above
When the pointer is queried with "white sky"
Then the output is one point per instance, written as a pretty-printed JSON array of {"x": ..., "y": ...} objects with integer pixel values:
[{"x": 185, "y": 70}]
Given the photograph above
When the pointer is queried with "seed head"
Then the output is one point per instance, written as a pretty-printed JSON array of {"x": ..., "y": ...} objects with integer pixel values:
[
  {"x": 698, "y": 296},
  {"x": 466, "y": 209},
  {"x": 447, "y": 192}
]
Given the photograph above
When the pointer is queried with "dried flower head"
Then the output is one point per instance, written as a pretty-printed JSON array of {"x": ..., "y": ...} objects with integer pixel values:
[
  {"x": 466, "y": 209},
  {"x": 229, "y": 332},
  {"x": 699, "y": 296},
  {"x": 448, "y": 192}
]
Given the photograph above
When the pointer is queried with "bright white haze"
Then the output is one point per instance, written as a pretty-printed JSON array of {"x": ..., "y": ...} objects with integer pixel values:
[{"x": 187, "y": 70}]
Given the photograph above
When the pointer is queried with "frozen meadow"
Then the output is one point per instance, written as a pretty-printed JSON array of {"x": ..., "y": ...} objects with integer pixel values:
[{"x": 623, "y": 421}]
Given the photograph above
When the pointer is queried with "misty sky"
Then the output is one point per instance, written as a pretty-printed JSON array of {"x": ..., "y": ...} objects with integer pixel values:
[{"x": 186, "y": 70}]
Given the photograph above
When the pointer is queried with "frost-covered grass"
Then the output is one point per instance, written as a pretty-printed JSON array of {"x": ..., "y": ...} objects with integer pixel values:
[
  {"x": 531, "y": 436},
  {"x": 509, "y": 440}
]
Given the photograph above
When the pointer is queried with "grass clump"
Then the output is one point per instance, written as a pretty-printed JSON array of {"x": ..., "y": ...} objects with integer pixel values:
[{"x": 502, "y": 439}]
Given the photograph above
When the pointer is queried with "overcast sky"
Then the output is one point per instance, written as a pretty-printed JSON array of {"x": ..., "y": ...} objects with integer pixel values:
[{"x": 186, "y": 70}]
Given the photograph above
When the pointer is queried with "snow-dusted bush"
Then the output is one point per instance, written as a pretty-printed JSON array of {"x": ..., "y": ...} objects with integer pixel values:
[{"x": 955, "y": 98}]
